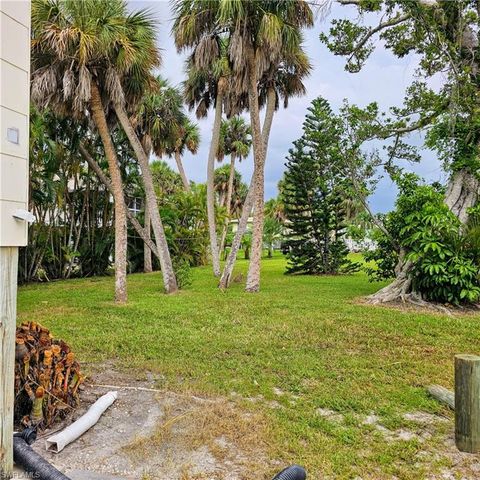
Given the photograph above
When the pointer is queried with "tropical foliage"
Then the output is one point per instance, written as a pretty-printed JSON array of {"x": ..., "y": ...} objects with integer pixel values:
[{"x": 445, "y": 260}]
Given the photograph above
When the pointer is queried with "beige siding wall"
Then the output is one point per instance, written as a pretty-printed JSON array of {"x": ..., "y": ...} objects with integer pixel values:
[{"x": 14, "y": 113}]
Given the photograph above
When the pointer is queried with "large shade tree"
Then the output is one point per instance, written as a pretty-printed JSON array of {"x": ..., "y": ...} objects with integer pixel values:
[{"x": 444, "y": 34}]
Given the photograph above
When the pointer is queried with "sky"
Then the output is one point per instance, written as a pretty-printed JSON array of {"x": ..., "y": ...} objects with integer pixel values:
[{"x": 383, "y": 79}]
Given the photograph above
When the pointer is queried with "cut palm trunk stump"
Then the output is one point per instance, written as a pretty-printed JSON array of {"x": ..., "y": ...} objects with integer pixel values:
[
  {"x": 442, "y": 395},
  {"x": 47, "y": 378}
]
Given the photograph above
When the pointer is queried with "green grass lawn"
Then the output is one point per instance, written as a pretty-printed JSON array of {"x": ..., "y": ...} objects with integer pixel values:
[{"x": 306, "y": 336}]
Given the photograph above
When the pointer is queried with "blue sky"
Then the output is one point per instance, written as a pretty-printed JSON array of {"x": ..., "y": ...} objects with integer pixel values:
[{"x": 383, "y": 79}]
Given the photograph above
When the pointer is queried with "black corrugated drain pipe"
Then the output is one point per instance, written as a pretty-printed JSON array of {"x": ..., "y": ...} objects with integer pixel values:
[
  {"x": 33, "y": 463},
  {"x": 295, "y": 472}
]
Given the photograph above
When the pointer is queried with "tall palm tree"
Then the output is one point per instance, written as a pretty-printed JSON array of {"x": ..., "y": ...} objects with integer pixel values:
[
  {"x": 158, "y": 121},
  {"x": 275, "y": 87},
  {"x": 126, "y": 91},
  {"x": 163, "y": 128},
  {"x": 235, "y": 140},
  {"x": 70, "y": 44},
  {"x": 207, "y": 83},
  {"x": 107, "y": 53},
  {"x": 260, "y": 35},
  {"x": 264, "y": 34}
]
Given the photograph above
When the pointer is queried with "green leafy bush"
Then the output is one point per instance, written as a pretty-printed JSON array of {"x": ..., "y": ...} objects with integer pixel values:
[
  {"x": 183, "y": 272},
  {"x": 444, "y": 268},
  {"x": 445, "y": 256}
]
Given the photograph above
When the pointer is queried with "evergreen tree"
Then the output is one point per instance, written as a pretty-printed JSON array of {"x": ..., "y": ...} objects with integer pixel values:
[{"x": 315, "y": 191}]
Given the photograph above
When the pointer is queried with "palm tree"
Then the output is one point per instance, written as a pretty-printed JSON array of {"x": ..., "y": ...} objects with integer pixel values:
[
  {"x": 187, "y": 139},
  {"x": 126, "y": 89},
  {"x": 273, "y": 89},
  {"x": 235, "y": 140},
  {"x": 272, "y": 232},
  {"x": 70, "y": 44},
  {"x": 207, "y": 84},
  {"x": 158, "y": 121},
  {"x": 261, "y": 35},
  {"x": 267, "y": 33}
]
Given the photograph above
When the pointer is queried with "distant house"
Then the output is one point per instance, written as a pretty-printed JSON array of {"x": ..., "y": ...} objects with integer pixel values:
[
  {"x": 359, "y": 246},
  {"x": 135, "y": 205},
  {"x": 234, "y": 223}
]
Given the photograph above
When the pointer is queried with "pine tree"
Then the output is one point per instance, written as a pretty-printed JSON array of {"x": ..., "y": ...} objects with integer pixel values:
[{"x": 314, "y": 192}]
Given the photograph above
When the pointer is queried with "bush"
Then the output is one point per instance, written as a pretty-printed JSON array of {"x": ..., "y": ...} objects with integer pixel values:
[
  {"x": 444, "y": 268},
  {"x": 445, "y": 256},
  {"x": 183, "y": 272}
]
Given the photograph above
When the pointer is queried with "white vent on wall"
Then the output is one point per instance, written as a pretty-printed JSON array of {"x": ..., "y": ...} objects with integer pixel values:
[{"x": 13, "y": 135}]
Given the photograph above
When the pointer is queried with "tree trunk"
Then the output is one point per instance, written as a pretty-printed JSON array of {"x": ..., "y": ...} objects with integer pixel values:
[
  {"x": 237, "y": 240},
  {"x": 181, "y": 171},
  {"x": 462, "y": 194},
  {"x": 398, "y": 289},
  {"x": 253, "y": 276},
  {"x": 231, "y": 178},
  {"x": 147, "y": 253},
  {"x": 103, "y": 178},
  {"x": 212, "y": 230},
  {"x": 247, "y": 206},
  {"x": 98, "y": 115},
  {"x": 169, "y": 280}
]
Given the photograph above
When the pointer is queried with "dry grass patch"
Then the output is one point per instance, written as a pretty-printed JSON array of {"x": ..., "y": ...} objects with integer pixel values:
[{"x": 224, "y": 437}]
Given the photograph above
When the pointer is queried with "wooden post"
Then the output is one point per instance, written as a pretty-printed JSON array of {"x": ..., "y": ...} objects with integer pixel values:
[
  {"x": 8, "y": 307},
  {"x": 467, "y": 403}
]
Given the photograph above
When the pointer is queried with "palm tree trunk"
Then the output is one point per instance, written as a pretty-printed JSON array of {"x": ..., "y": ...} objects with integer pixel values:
[
  {"x": 231, "y": 177},
  {"x": 98, "y": 115},
  {"x": 169, "y": 280},
  {"x": 147, "y": 253},
  {"x": 130, "y": 216},
  {"x": 247, "y": 206},
  {"x": 212, "y": 230},
  {"x": 181, "y": 171},
  {"x": 253, "y": 276}
]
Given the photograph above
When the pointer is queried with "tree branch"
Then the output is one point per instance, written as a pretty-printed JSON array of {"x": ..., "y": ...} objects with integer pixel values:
[{"x": 381, "y": 26}]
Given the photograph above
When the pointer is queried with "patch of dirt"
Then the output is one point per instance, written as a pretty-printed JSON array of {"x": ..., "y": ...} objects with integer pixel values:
[
  {"x": 330, "y": 415},
  {"x": 151, "y": 435}
]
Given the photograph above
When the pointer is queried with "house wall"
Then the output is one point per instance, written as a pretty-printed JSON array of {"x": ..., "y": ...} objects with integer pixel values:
[{"x": 14, "y": 118}]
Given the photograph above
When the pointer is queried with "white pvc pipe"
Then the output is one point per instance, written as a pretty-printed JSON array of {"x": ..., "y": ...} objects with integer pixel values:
[{"x": 56, "y": 443}]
